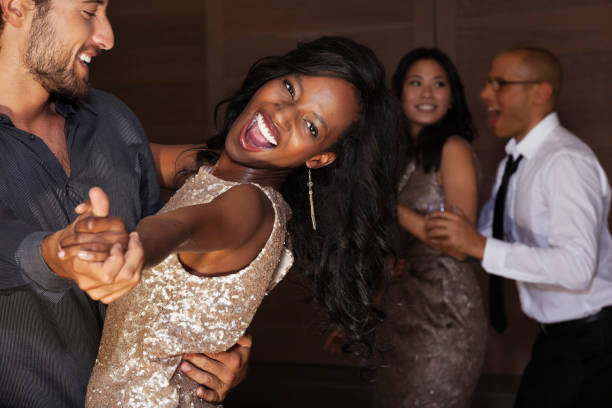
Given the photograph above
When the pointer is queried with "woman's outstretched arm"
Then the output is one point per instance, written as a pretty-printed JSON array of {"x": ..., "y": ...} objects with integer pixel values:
[{"x": 237, "y": 222}]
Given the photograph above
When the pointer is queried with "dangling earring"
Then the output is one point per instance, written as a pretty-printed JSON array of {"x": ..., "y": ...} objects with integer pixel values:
[{"x": 310, "y": 184}]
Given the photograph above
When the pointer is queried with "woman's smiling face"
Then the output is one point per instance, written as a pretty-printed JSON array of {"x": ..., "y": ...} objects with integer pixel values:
[
  {"x": 426, "y": 95},
  {"x": 290, "y": 120}
]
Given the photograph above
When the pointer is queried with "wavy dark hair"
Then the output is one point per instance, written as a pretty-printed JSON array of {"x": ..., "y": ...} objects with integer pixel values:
[
  {"x": 354, "y": 197},
  {"x": 427, "y": 148}
]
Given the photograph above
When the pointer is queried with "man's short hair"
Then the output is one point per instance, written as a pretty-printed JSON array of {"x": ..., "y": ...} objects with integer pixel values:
[{"x": 544, "y": 64}]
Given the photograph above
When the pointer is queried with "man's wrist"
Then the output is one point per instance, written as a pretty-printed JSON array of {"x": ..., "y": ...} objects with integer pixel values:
[
  {"x": 49, "y": 248},
  {"x": 477, "y": 249}
]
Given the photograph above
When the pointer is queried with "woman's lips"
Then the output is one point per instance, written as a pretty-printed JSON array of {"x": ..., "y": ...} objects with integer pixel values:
[{"x": 258, "y": 135}]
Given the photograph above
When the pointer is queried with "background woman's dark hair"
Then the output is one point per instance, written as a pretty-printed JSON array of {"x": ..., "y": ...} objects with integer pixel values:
[
  {"x": 427, "y": 148},
  {"x": 354, "y": 197}
]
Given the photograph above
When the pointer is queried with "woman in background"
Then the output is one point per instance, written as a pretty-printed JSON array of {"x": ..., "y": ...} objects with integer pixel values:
[{"x": 434, "y": 335}]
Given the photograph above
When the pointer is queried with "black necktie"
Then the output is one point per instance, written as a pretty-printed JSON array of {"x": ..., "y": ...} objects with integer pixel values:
[{"x": 497, "y": 308}]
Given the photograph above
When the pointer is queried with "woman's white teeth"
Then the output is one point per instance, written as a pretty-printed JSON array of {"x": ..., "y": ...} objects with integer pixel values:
[
  {"x": 263, "y": 129},
  {"x": 426, "y": 107},
  {"x": 85, "y": 58}
]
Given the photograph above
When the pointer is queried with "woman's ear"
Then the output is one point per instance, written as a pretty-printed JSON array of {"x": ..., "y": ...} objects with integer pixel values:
[{"x": 321, "y": 160}]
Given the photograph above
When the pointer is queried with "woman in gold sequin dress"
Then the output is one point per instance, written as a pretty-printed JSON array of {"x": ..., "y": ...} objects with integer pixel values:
[
  {"x": 304, "y": 134},
  {"x": 435, "y": 331}
]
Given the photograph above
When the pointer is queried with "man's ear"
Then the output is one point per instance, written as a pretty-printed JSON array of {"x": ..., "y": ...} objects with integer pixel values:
[
  {"x": 321, "y": 160},
  {"x": 543, "y": 93},
  {"x": 14, "y": 12}
]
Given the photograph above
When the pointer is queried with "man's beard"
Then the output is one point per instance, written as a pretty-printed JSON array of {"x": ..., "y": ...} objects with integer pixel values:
[{"x": 51, "y": 62}]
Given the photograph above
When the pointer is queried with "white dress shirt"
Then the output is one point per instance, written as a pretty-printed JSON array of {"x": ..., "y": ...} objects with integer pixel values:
[{"x": 557, "y": 244}]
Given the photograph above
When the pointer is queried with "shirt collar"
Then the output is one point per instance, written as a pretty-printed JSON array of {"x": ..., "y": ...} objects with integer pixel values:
[
  {"x": 532, "y": 141},
  {"x": 4, "y": 119},
  {"x": 63, "y": 107},
  {"x": 66, "y": 107}
]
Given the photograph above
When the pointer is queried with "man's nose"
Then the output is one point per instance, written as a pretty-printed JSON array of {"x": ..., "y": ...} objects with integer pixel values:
[
  {"x": 103, "y": 36},
  {"x": 487, "y": 92}
]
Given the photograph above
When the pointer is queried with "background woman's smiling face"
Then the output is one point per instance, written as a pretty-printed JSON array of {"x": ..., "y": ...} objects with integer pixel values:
[
  {"x": 290, "y": 119},
  {"x": 426, "y": 95}
]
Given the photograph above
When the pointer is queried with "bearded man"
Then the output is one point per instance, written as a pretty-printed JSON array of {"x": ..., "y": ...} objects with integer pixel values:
[{"x": 58, "y": 138}]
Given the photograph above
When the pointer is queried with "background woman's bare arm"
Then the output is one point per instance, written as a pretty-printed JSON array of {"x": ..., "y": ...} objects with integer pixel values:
[{"x": 457, "y": 176}]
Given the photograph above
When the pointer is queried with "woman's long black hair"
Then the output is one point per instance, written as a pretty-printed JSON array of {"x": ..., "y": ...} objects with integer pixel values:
[
  {"x": 427, "y": 148},
  {"x": 354, "y": 197}
]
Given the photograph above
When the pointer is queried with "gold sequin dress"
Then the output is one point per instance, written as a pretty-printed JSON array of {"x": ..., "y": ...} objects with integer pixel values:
[{"x": 173, "y": 312}]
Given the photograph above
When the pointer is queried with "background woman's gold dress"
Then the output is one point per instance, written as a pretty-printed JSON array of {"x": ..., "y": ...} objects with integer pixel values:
[{"x": 434, "y": 335}]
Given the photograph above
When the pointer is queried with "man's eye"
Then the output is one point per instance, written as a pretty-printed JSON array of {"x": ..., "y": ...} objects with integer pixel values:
[
  {"x": 289, "y": 87},
  {"x": 89, "y": 14},
  {"x": 312, "y": 128}
]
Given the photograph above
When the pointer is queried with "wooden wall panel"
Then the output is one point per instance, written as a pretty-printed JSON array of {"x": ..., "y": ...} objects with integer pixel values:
[
  {"x": 159, "y": 67},
  {"x": 273, "y": 27}
]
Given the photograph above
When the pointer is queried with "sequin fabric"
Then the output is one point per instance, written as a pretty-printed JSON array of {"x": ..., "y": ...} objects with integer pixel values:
[
  {"x": 434, "y": 336},
  {"x": 172, "y": 312}
]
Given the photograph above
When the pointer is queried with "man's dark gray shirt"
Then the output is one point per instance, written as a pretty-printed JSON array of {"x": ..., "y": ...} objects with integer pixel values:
[{"x": 49, "y": 328}]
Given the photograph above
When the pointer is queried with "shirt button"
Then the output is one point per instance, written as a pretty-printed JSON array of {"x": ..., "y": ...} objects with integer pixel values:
[{"x": 32, "y": 137}]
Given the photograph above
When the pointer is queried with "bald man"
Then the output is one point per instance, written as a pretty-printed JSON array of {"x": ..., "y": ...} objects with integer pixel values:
[{"x": 546, "y": 227}]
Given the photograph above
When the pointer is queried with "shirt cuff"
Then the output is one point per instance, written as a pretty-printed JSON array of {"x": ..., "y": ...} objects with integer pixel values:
[
  {"x": 29, "y": 257},
  {"x": 494, "y": 257}
]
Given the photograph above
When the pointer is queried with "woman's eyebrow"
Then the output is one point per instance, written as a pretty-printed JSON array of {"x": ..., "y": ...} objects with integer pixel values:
[{"x": 320, "y": 119}]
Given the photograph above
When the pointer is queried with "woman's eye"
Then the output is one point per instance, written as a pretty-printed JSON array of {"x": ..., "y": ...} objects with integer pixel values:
[
  {"x": 289, "y": 87},
  {"x": 89, "y": 14},
  {"x": 440, "y": 84},
  {"x": 415, "y": 82},
  {"x": 312, "y": 128}
]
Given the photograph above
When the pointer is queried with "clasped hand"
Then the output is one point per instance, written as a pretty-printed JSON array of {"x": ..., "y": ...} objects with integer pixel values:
[
  {"x": 453, "y": 233},
  {"x": 90, "y": 251},
  {"x": 96, "y": 251}
]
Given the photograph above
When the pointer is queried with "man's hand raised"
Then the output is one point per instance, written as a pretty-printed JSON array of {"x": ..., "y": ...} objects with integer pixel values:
[{"x": 452, "y": 232}]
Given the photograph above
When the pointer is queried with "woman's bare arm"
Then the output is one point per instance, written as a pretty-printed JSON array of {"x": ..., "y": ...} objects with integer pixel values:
[
  {"x": 457, "y": 176},
  {"x": 459, "y": 180},
  {"x": 239, "y": 220}
]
